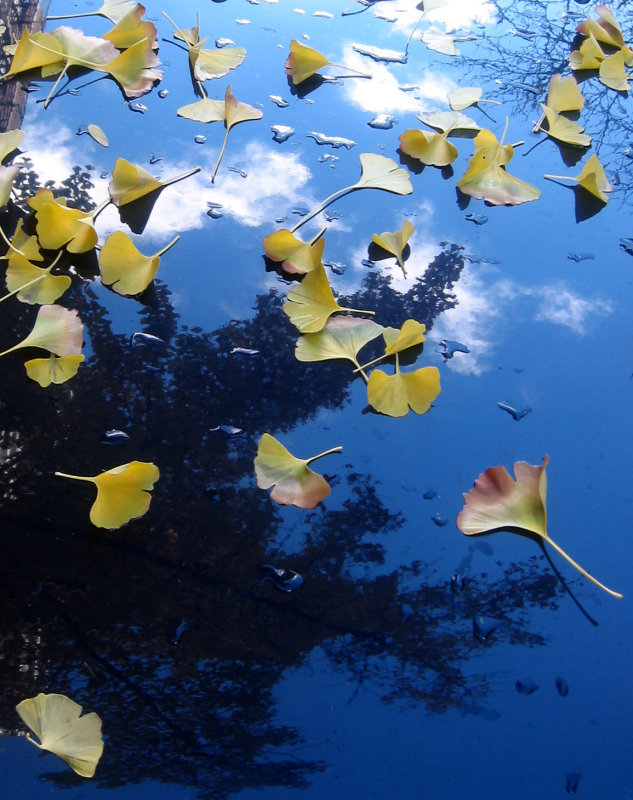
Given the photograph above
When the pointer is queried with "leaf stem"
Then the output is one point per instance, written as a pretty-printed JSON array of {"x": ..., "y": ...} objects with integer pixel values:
[
  {"x": 72, "y": 16},
  {"x": 49, "y": 96},
  {"x": 217, "y": 165},
  {"x": 100, "y": 208},
  {"x": 357, "y": 311},
  {"x": 11, "y": 247},
  {"x": 349, "y": 69},
  {"x": 181, "y": 177},
  {"x": 581, "y": 570},
  {"x": 168, "y": 246},
  {"x": 19, "y": 289},
  {"x": 74, "y": 477},
  {"x": 317, "y": 209},
  {"x": 373, "y": 361},
  {"x": 314, "y": 239},
  {"x": 559, "y": 178},
  {"x": 325, "y": 453}
]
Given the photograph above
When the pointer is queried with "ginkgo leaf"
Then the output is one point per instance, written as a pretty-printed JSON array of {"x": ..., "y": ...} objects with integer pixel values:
[
  {"x": 395, "y": 242},
  {"x": 126, "y": 270},
  {"x": 440, "y": 41},
  {"x": 114, "y": 10},
  {"x": 395, "y": 394},
  {"x": 563, "y": 129},
  {"x": 564, "y": 94},
  {"x": 10, "y": 141},
  {"x": 432, "y": 149},
  {"x": 486, "y": 178},
  {"x": 203, "y": 110},
  {"x": 59, "y": 226},
  {"x": 33, "y": 51},
  {"x": 592, "y": 178},
  {"x": 53, "y": 369},
  {"x": 341, "y": 337},
  {"x": 135, "y": 69},
  {"x": 464, "y": 96},
  {"x": 131, "y": 182},
  {"x": 498, "y": 502},
  {"x": 57, "y": 722},
  {"x": 303, "y": 62},
  {"x": 612, "y": 73},
  {"x": 311, "y": 302},
  {"x": 131, "y": 29},
  {"x": 296, "y": 256},
  {"x": 34, "y": 285},
  {"x": 123, "y": 493},
  {"x": 96, "y": 133},
  {"x": 57, "y": 329},
  {"x": 396, "y": 340},
  {"x": 27, "y": 246},
  {"x": 7, "y": 176},
  {"x": 588, "y": 56},
  {"x": 206, "y": 64},
  {"x": 448, "y": 121},
  {"x": 292, "y": 481},
  {"x": 605, "y": 29},
  {"x": 376, "y": 172}
]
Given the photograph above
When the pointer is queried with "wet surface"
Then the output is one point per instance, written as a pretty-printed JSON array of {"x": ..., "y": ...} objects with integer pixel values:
[{"x": 236, "y": 648}]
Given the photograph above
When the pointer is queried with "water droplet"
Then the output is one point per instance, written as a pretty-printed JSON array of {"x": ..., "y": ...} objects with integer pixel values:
[
  {"x": 336, "y": 267},
  {"x": 328, "y": 157},
  {"x": 114, "y": 436},
  {"x": 324, "y": 14},
  {"x": 627, "y": 245},
  {"x": 175, "y": 636},
  {"x": 199, "y": 139},
  {"x": 301, "y": 211},
  {"x": 286, "y": 580},
  {"x": 408, "y": 87},
  {"x": 562, "y": 687},
  {"x": 243, "y": 21},
  {"x": 380, "y": 54},
  {"x": 439, "y": 520},
  {"x": 163, "y": 93},
  {"x": 155, "y": 158},
  {"x": 305, "y": 36},
  {"x": 514, "y": 413},
  {"x": 451, "y": 347},
  {"x": 330, "y": 216},
  {"x": 104, "y": 174},
  {"x": 571, "y": 782},
  {"x": 478, "y": 219},
  {"x": 140, "y": 336},
  {"x": 278, "y": 100},
  {"x": 215, "y": 213},
  {"x": 74, "y": 92},
  {"x": 281, "y": 133},
  {"x": 384, "y": 15},
  {"x": 138, "y": 107},
  {"x": 246, "y": 351},
  {"x": 367, "y": 262},
  {"x": 458, "y": 584},
  {"x": 526, "y": 686},
  {"x": 578, "y": 257},
  {"x": 30, "y": 87},
  {"x": 279, "y": 220},
  {"x": 223, "y": 42},
  {"x": 429, "y": 494},
  {"x": 406, "y": 611},
  {"x": 228, "y": 430},
  {"x": 239, "y": 171},
  {"x": 299, "y": 10},
  {"x": 483, "y": 627},
  {"x": 383, "y": 122},
  {"x": 332, "y": 141}
]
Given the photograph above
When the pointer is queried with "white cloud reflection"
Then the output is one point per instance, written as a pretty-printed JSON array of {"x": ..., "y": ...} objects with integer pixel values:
[{"x": 454, "y": 14}]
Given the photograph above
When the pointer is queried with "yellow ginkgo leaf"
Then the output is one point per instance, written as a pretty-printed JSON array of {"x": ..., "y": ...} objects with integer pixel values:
[
  {"x": 341, "y": 337},
  {"x": 135, "y": 69},
  {"x": 497, "y": 502},
  {"x": 431, "y": 149},
  {"x": 131, "y": 182},
  {"x": 395, "y": 242},
  {"x": 59, "y": 226},
  {"x": 612, "y": 73},
  {"x": 57, "y": 722},
  {"x": 486, "y": 178},
  {"x": 34, "y": 285},
  {"x": 564, "y": 94},
  {"x": 53, "y": 369},
  {"x": 131, "y": 29},
  {"x": 203, "y": 110},
  {"x": 123, "y": 493},
  {"x": 114, "y": 10},
  {"x": 27, "y": 246},
  {"x": 464, "y": 96},
  {"x": 206, "y": 64},
  {"x": 7, "y": 176},
  {"x": 9, "y": 141},
  {"x": 33, "y": 51},
  {"x": 589, "y": 56},
  {"x": 592, "y": 178},
  {"x": 395, "y": 394},
  {"x": 296, "y": 256},
  {"x": 292, "y": 481},
  {"x": 303, "y": 62},
  {"x": 57, "y": 329},
  {"x": 563, "y": 129},
  {"x": 126, "y": 270},
  {"x": 311, "y": 302},
  {"x": 605, "y": 29},
  {"x": 410, "y": 334}
]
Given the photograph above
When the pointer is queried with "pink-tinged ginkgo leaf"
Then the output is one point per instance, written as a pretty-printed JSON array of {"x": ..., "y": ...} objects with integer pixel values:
[
  {"x": 303, "y": 62},
  {"x": 592, "y": 179},
  {"x": 131, "y": 29},
  {"x": 296, "y": 256},
  {"x": 57, "y": 722},
  {"x": 57, "y": 329},
  {"x": 54, "y": 369},
  {"x": 292, "y": 481},
  {"x": 123, "y": 493},
  {"x": 135, "y": 69},
  {"x": 605, "y": 29},
  {"x": 497, "y": 502}
]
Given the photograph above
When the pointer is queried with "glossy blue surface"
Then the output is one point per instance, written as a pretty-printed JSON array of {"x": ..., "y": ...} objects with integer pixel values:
[{"x": 367, "y": 681}]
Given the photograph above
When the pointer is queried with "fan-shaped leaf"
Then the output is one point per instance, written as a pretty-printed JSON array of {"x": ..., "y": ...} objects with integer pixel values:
[
  {"x": 303, "y": 62},
  {"x": 448, "y": 121},
  {"x": 564, "y": 94},
  {"x": 296, "y": 256},
  {"x": 499, "y": 502},
  {"x": 123, "y": 493},
  {"x": 605, "y": 29},
  {"x": 131, "y": 182},
  {"x": 440, "y": 41},
  {"x": 588, "y": 56},
  {"x": 292, "y": 481},
  {"x": 380, "y": 172},
  {"x": 395, "y": 242},
  {"x": 395, "y": 394},
  {"x": 592, "y": 178},
  {"x": 135, "y": 69},
  {"x": 57, "y": 722},
  {"x": 563, "y": 129},
  {"x": 342, "y": 337},
  {"x": 203, "y": 110},
  {"x": 612, "y": 73},
  {"x": 10, "y": 141},
  {"x": 464, "y": 96},
  {"x": 53, "y": 369},
  {"x": 124, "y": 268},
  {"x": 59, "y": 226},
  {"x": 431, "y": 149},
  {"x": 131, "y": 29},
  {"x": 215, "y": 63},
  {"x": 57, "y": 329},
  {"x": 32, "y": 284}
]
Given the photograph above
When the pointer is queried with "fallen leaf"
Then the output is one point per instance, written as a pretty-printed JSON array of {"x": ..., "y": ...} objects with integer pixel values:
[
  {"x": 10, "y": 141},
  {"x": 57, "y": 329},
  {"x": 395, "y": 242},
  {"x": 303, "y": 62},
  {"x": 448, "y": 121},
  {"x": 393, "y": 395},
  {"x": 53, "y": 369},
  {"x": 498, "y": 502},
  {"x": 440, "y": 41},
  {"x": 588, "y": 56},
  {"x": 432, "y": 149},
  {"x": 131, "y": 29},
  {"x": 464, "y": 96},
  {"x": 592, "y": 178},
  {"x": 206, "y": 64},
  {"x": 296, "y": 256},
  {"x": 341, "y": 337},
  {"x": 59, "y": 226},
  {"x": 126, "y": 270},
  {"x": 564, "y": 94},
  {"x": 57, "y": 722},
  {"x": 114, "y": 10},
  {"x": 612, "y": 73},
  {"x": 563, "y": 129},
  {"x": 32, "y": 284},
  {"x": 130, "y": 182},
  {"x": 98, "y": 135},
  {"x": 292, "y": 481},
  {"x": 123, "y": 493}
]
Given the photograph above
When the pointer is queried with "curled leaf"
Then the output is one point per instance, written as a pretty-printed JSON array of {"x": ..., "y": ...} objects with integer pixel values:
[
  {"x": 123, "y": 493},
  {"x": 295, "y": 255},
  {"x": 57, "y": 722},
  {"x": 130, "y": 182},
  {"x": 589, "y": 56},
  {"x": 131, "y": 29},
  {"x": 292, "y": 481},
  {"x": 432, "y": 149},
  {"x": 498, "y": 502},
  {"x": 592, "y": 179},
  {"x": 303, "y": 62},
  {"x": 395, "y": 242}
]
